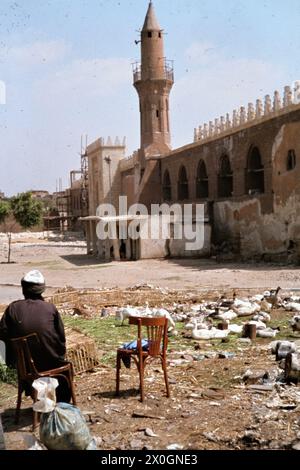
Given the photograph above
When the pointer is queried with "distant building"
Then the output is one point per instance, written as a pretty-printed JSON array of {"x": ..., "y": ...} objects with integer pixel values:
[{"x": 39, "y": 194}]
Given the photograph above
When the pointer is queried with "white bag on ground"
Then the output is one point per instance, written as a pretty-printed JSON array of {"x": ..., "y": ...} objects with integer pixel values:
[{"x": 62, "y": 426}]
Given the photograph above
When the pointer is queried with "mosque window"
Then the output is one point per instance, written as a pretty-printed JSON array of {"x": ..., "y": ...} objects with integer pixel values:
[
  {"x": 167, "y": 188},
  {"x": 291, "y": 160},
  {"x": 183, "y": 185},
  {"x": 201, "y": 181},
  {"x": 255, "y": 175},
  {"x": 225, "y": 178},
  {"x": 149, "y": 34}
]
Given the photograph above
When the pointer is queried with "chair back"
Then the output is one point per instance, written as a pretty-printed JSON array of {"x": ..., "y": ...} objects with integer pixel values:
[
  {"x": 25, "y": 364},
  {"x": 157, "y": 334}
]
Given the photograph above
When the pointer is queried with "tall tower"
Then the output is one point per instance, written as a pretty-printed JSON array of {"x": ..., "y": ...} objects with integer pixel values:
[{"x": 153, "y": 80}]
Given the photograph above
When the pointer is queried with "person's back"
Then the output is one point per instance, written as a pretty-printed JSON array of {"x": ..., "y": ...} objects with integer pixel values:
[{"x": 36, "y": 316}]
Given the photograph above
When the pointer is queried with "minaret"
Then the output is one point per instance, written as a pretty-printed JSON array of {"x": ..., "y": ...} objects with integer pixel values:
[{"x": 153, "y": 80}]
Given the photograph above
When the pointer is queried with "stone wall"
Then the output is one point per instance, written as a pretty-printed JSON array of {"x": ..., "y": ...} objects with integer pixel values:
[{"x": 265, "y": 219}]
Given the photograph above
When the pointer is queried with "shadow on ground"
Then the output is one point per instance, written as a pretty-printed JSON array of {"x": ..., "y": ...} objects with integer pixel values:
[
  {"x": 85, "y": 260},
  {"x": 131, "y": 392},
  {"x": 197, "y": 264},
  {"x": 8, "y": 419}
]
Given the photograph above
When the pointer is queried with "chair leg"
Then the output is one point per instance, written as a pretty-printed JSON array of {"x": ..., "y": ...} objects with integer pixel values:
[
  {"x": 141, "y": 372},
  {"x": 118, "y": 368},
  {"x": 164, "y": 366},
  {"x": 73, "y": 393},
  {"x": 19, "y": 401},
  {"x": 34, "y": 413}
]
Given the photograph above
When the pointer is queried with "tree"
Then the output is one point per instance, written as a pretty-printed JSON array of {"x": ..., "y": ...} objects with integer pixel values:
[
  {"x": 4, "y": 211},
  {"x": 22, "y": 209}
]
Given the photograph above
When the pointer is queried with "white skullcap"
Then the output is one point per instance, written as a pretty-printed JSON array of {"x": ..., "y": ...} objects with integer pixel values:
[{"x": 34, "y": 277}]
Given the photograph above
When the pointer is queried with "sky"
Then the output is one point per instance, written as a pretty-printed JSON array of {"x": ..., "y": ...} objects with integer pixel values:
[{"x": 67, "y": 70}]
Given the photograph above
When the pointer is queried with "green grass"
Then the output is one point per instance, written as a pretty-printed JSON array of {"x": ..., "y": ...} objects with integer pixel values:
[
  {"x": 8, "y": 375},
  {"x": 109, "y": 335}
]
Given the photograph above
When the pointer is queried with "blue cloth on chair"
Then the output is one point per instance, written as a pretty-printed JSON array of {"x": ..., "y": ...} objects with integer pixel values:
[{"x": 133, "y": 345}]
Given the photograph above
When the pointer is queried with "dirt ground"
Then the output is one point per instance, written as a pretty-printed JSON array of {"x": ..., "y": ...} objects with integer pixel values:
[
  {"x": 67, "y": 264},
  {"x": 210, "y": 407}
]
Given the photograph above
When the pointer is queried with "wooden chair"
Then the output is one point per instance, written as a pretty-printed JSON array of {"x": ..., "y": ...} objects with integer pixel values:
[
  {"x": 157, "y": 335},
  {"x": 27, "y": 372}
]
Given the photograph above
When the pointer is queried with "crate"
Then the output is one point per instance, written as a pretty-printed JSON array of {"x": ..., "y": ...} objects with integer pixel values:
[{"x": 81, "y": 351}]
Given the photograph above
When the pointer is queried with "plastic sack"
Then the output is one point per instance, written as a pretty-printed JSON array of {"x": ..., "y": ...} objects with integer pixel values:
[{"x": 62, "y": 426}]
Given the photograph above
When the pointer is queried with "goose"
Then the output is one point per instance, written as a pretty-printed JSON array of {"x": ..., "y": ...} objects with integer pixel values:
[
  {"x": 161, "y": 312},
  {"x": 146, "y": 312},
  {"x": 214, "y": 333},
  {"x": 292, "y": 306},
  {"x": 272, "y": 296},
  {"x": 262, "y": 316},
  {"x": 259, "y": 324},
  {"x": 201, "y": 334},
  {"x": 267, "y": 333},
  {"x": 126, "y": 312},
  {"x": 235, "y": 329},
  {"x": 245, "y": 308},
  {"x": 257, "y": 298},
  {"x": 229, "y": 315},
  {"x": 295, "y": 323},
  {"x": 265, "y": 305}
]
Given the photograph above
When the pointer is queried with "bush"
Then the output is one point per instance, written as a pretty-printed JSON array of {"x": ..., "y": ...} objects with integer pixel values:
[{"x": 8, "y": 375}]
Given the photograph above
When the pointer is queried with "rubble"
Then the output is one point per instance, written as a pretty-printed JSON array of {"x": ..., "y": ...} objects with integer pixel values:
[{"x": 229, "y": 395}]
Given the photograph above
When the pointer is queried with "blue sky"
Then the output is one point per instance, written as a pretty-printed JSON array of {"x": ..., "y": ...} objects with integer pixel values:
[{"x": 67, "y": 69}]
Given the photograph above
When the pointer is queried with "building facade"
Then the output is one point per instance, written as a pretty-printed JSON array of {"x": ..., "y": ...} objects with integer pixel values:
[{"x": 243, "y": 167}]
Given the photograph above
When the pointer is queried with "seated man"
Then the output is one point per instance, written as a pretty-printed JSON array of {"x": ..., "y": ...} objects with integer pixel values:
[{"x": 34, "y": 315}]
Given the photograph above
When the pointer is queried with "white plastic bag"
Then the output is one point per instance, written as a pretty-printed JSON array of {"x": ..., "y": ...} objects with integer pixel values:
[{"x": 62, "y": 426}]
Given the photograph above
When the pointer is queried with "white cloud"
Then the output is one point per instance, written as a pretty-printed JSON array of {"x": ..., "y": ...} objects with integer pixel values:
[
  {"x": 38, "y": 53},
  {"x": 87, "y": 78}
]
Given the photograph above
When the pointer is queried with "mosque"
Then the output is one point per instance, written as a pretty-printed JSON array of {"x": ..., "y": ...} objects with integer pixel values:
[{"x": 243, "y": 168}]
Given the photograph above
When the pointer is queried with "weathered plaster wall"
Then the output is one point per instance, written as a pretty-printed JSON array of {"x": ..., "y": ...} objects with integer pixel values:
[
  {"x": 267, "y": 232},
  {"x": 162, "y": 247}
]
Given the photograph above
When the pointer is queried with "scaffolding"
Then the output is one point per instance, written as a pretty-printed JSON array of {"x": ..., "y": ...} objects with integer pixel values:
[{"x": 85, "y": 177}]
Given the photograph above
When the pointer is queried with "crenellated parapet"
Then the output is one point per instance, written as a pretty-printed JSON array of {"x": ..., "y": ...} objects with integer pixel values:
[
  {"x": 251, "y": 115},
  {"x": 109, "y": 142},
  {"x": 130, "y": 162}
]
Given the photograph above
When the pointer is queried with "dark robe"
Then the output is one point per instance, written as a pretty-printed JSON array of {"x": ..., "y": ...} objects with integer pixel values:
[{"x": 28, "y": 316}]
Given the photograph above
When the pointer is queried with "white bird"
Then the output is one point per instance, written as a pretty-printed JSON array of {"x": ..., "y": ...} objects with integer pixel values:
[
  {"x": 292, "y": 307},
  {"x": 295, "y": 323},
  {"x": 267, "y": 333},
  {"x": 146, "y": 312},
  {"x": 235, "y": 329},
  {"x": 229, "y": 315},
  {"x": 262, "y": 316},
  {"x": 214, "y": 333},
  {"x": 126, "y": 312},
  {"x": 259, "y": 324},
  {"x": 161, "y": 312}
]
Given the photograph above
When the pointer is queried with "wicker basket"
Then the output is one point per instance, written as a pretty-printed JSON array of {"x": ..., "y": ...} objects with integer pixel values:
[{"x": 81, "y": 351}]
